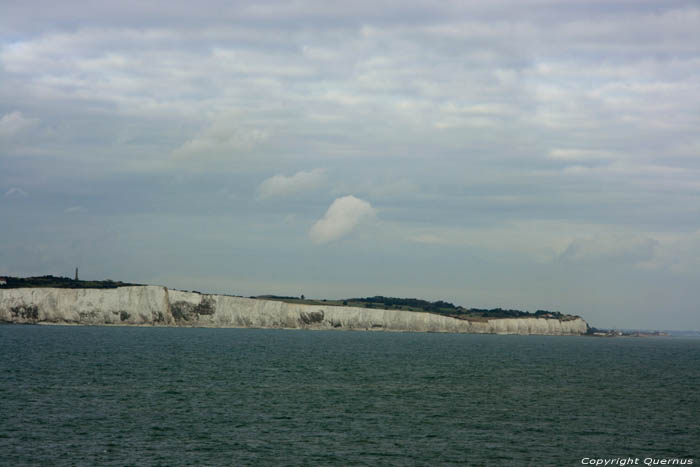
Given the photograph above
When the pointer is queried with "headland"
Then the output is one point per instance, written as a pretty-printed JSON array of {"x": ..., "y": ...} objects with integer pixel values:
[{"x": 147, "y": 305}]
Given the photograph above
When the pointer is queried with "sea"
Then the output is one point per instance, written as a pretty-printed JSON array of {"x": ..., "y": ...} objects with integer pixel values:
[{"x": 133, "y": 396}]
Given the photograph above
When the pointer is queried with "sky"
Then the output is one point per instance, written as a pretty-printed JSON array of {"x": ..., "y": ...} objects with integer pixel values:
[{"x": 529, "y": 154}]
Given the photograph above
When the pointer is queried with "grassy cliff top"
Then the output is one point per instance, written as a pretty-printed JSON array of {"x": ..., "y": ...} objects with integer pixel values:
[
  {"x": 378, "y": 302},
  {"x": 414, "y": 304},
  {"x": 60, "y": 282}
]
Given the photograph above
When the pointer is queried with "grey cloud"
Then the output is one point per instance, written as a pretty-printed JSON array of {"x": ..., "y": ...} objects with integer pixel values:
[
  {"x": 679, "y": 255},
  {"x": 13, "y": 123},
  {"x": 75, "y": 210},
  {"x": 222, "y": 140},
  {"x": 282, "y": 186},
  {"x": 15, "y": 192},
  {"x": 384, "y": 68},
  {"x": 610, "y": 248}
]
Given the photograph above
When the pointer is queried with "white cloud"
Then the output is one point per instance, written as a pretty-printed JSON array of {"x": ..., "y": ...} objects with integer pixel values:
[
  {"x": 342, "y": 217},
  {"x": 302, "y": 181},
  {"x": 13, "y": 123},
  {"x": 224, "y": 139}
]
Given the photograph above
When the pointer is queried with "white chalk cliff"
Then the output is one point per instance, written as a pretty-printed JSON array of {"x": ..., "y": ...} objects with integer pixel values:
[{"x": 159, "y": 306}]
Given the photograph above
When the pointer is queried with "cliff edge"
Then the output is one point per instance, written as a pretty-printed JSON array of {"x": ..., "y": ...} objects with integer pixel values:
[{"x": 159, "y": 306}]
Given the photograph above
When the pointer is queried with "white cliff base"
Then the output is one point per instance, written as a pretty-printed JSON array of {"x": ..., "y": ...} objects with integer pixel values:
[{"x": 158, "y": 306}]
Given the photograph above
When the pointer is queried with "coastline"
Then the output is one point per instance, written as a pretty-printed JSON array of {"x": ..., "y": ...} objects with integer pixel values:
[{"x": 159, "y": 306}]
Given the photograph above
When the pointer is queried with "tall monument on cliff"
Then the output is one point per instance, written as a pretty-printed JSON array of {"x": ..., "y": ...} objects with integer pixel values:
[{"x": 76, "y": 274}]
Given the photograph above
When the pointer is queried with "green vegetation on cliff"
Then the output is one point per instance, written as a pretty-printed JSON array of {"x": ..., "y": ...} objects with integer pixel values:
[
  {"x": 60, "y": 282},
  {"x": 414, "y": 304},
  {"x": 377, "y": 302}
]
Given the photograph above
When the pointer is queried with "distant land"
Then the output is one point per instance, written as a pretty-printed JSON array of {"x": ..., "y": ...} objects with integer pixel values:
[
  {"x": 60, "y": 300},
  {"x": 200, "y": 310},
  {"x": 377, "y": 302}
]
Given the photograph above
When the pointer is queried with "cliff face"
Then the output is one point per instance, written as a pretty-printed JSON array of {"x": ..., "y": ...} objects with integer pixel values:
[
  {"x": 152, "y": 305},
  {"x": 124, "y": 305}
]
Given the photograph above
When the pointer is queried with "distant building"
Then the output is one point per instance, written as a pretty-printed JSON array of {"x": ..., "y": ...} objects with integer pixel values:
[{"x": 3, "y": 281}]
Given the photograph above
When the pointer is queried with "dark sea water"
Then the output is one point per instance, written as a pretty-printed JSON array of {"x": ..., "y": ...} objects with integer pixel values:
[{"x": 173, "y": 396}]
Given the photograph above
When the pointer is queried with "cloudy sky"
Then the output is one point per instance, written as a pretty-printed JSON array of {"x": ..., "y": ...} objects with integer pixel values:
[{"x": 521, "y": 154}]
